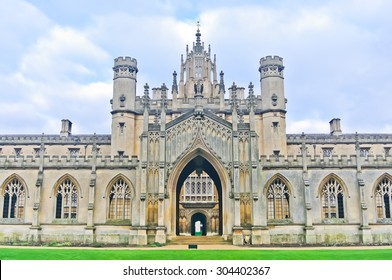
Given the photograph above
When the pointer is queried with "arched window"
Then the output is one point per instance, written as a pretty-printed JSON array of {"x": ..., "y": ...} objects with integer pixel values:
[
  {"x": 383, "y": 195},
  {"x": 278, "y": 200},
  {"x": 14, "y": 199},
  {"x": 66, "y": 200},
  {"x": 332, "y": 199},
  {"x": 120, "y": 201}
]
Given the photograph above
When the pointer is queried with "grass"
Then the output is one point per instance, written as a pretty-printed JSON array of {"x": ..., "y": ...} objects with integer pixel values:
[{"x": 136, "y": 254}]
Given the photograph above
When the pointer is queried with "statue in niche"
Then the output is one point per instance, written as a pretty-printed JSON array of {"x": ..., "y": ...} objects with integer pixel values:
[{"x": 198, "y": 88}]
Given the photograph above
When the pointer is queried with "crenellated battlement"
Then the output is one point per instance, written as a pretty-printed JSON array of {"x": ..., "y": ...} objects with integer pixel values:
[
  {"x": 125, "y": 60},
  {"x": 125, "y": 67},
  {"x": 37, "y": 139},
  {"x": 317, "y": 162},
  {"x": 271, "y": 66},
  {"x": 271, "y": 60},
  {"x": 348, "y": 138},
  {"x": 266, "y": 162},
  {"x": 81, "y": 162}
]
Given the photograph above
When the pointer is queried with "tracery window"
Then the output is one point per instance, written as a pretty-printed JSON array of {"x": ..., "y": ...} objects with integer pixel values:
[
  {"x": 332, "y": 199},
  {"x": 66, "y": 200},
  {"x": 278, "y": 200},
  {"x": 14, "y": 199},
  {"x": 383, "y": 195},
  {"x": 120, "y": 201},
  {"x": 198, "y": 188}
]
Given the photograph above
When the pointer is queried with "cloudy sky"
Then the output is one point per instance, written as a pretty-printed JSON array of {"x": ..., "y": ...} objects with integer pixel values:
[{"x": 56, "y": 57}]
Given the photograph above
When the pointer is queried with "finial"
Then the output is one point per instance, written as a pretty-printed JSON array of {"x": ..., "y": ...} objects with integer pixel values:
[
  {"x": 303, "y": 144},
  {"x": 164, "y": 97},
  {"x": 357, "y": 145},
  {"x": 221, "y": 82},
  {"x": 146, "y": 97},
  {"x": 198, "y": 48},
  {"x": 233, "y": 98},
  {"x": 251, "y": 97},
  {"x": 174, "y": 86}
]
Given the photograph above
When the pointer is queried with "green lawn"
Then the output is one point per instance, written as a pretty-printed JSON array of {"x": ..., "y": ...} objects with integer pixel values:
[{"x": 95, "y": 254}]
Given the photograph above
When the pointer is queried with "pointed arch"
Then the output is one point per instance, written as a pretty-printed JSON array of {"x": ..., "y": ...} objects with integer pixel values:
[
  {"x": 14, "y": 192},
  {"x": 382, "y": 190},
  {"x": 10, "y": 178},
  {"x": 64, "y": 177},
  {"x": 119, "y": 193},
  {"x": 332, "y": 192},
  {"x": 283, "y": 179},
  {"x": 335, "y": 177},
  {"x": 182, "y": 168},
  {"x": 278, "y": 192},
  {"x": 67, "y": 192}
]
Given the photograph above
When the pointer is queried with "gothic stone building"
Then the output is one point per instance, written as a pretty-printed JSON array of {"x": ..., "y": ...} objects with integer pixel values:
[{"x": 210, "y": 154}]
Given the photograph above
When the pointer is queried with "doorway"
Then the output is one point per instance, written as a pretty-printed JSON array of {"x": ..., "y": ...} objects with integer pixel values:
[
  {"x": 199, "y": 200},
  {"x": 199, "y": 224}
]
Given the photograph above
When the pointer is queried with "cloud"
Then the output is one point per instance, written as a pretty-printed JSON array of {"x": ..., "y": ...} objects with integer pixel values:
[
  {"x": 60, "y": 76},
  {"x": 336, "y": 54},
  {"x": 59, "y": 54}
]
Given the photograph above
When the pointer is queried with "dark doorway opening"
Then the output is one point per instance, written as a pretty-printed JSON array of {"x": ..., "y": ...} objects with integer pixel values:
[
  {"x": 199, "y": 164},
  {"x": 199, "y": 217}
]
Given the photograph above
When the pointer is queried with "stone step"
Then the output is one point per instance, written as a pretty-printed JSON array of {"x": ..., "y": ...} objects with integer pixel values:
[{"x": 199, "y": 240}]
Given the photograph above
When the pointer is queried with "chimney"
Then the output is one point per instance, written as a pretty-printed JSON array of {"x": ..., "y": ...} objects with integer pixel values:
[
  {"x": 334, "y": 125},
  {"x": 66, "y": 128}
]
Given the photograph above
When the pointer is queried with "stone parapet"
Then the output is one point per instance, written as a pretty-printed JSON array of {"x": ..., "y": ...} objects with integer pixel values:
[
  {"x": 297, "y": 139},
  {"x": 54, "y": 139},
  {"x": 69, "y": 162},
  {"x": 335, "y": 161}
]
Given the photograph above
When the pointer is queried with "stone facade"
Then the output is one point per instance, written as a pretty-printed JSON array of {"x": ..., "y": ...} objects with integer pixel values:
[{"x": 207, "y": 154}]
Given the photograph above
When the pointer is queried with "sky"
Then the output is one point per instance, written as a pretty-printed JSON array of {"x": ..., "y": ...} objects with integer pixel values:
[{"x": 56, "y": 57}]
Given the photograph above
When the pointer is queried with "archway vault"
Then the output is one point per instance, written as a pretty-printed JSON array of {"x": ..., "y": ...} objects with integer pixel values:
[{"x": 195, "y": 159}]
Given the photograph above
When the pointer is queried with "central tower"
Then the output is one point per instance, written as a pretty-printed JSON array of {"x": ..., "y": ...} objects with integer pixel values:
[{"x": 198, "y": 67}]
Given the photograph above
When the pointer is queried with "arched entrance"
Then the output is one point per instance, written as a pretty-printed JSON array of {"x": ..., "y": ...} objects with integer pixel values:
[
  {"x": 202, "y": 168},
  {"x": 198, "y": 224}
]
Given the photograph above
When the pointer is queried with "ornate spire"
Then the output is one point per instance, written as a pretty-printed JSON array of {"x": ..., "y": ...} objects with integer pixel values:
[
  {"x": 164, "y": 97},
  {"x": 221, "y": 83},
  {"x": 174, "y": 86},
  {"x": 146, "y": 97},
  {"x": 198, "y": 48},
  {"x": 233, "y": 97},
  {"x": 251, "y": 97},
  {"x": 198, "y": 34}
]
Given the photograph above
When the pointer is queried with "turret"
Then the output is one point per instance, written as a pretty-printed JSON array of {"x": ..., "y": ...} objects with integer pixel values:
[
  {"x": 272, "y": 86},
  {"x": 273, "y": 105},
  {"x": 124, "y": 83},
  {"x": 123, "y": 106},
  {"x": 198, "y": 67}
]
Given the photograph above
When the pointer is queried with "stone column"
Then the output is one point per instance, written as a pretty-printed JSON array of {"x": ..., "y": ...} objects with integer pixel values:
[
  {"x": 35, "y": 229},
  {"x": 139, "y": 229},
  {"x": 238, "y": 238},
  {"x": 89, "y": 236},
  {"x": 160, "y": 236},
  {"x": 310, "y": 236},
  {"x": 365, "y": 230}
]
